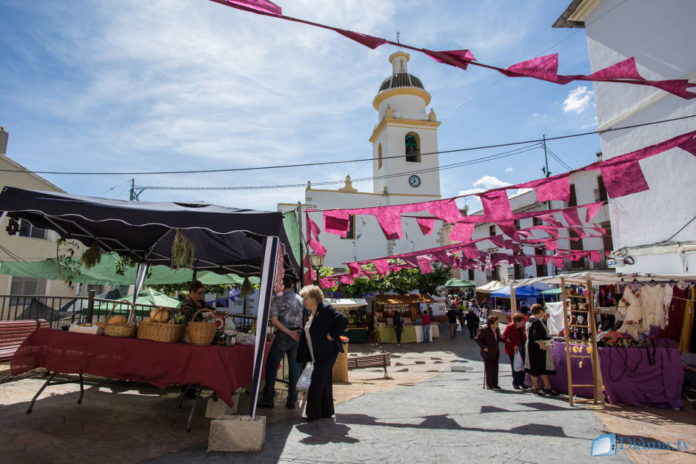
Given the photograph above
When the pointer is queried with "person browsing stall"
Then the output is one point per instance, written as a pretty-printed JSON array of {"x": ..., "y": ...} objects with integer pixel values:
[
  {"x": 194, "y": 302},
  {"x": 286, "y": 315},
  {"x": 514, "y": 337},
  {"x": 538, "y": 360},
  {"x": 320, "y": 342}
]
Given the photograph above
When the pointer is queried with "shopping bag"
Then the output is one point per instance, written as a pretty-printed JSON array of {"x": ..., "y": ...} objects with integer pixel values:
[
  {"x": 518, "y": 363},
  {"x": 305, "y": 378}
]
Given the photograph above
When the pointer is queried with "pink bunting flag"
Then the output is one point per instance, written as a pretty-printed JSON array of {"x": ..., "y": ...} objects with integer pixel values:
[
  {"x": 364, "y": 39},
  {"x": 592, "y": 209},
  {"x": 497, "y": 240},
  {"x": 551, "y": 244},
  {"x": 542, "y": 67},
  {"x": 346, "y": 279},
  {"x": 462, "y": 232},
  {"x": 389, "y": 220},
  {"x": 624, "y": 179},
  {"x": 425, "y": 265},
  {"x": 327, "y": 282},
  {"x": 496, "y": 206},
  {"x": 509, "y": 228},
  {"x": 625, "y": 69},
  {"x": 554, "y": 189},
  {"x": 443, "y": 257},
  {"x": 572, "y": 217},
  {"x": 470, "y": 251},
  {"x": 426, "y": 225},
  {"x": 337, "y": 222},
  {"x": 595, "y": 256},
  {"x": 381, "y": 266},
  {"x": 316, "y": 246},
  {"x": 445, "y": 209},
  {"x": 354, "y": 269},
  {"x": 689, "y": 145},
  {"x": 255, "y": 6},
  {"x": 312, "y": 227},
  {"x": 456, "y": 58},
  {"x": 558, "y": 261},
  {"x": 541, "y": 260}
]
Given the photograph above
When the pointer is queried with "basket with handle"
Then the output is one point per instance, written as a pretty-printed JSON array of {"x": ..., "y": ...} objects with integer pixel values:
[
  {"x": 127, "y": 330},
  {"x": 161, "y": 331},
  {"x": 200, "y": 333}
]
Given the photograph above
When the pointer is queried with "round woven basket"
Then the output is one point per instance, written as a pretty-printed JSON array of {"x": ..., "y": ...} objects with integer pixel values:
[
  {"x": 127, "y": 330},
  {"x": 161, "y": 331},
  {"x": 200, "y": 333}
]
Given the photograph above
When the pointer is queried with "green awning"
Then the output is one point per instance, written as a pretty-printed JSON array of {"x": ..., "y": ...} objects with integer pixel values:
[
  {"x": 553, "y": 291},
  {"x": 147, "y": 297},
  {"x": 104, "y": 273},
  {"x": 459, "y": 283}
]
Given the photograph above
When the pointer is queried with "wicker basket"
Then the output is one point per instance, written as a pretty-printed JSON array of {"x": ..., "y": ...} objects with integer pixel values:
[
  {"x": 120, "y": 330},
  {"x": 200, "y": 333},
  {"x": 127, "y": 330},
  {"x": 161, "y": 331}
]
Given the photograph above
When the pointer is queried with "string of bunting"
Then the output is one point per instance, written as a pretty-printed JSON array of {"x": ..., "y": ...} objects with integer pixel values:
[{"x": 543, "y": 68}]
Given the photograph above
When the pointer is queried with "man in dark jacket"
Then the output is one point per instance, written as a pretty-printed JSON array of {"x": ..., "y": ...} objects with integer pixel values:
[
  {"x": 452, "y": 320},
  {"x": 472, "y": 322},
  {"x": 488, "y": 339}
]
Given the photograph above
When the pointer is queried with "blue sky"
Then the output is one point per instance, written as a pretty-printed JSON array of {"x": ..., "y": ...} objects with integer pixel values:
[{"x": 132, "y": 85}]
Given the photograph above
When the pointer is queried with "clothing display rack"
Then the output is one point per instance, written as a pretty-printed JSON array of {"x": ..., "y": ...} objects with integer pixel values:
[{"x": 579, "y": 317}]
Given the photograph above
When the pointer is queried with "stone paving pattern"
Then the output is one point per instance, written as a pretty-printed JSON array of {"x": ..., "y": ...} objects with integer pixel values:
[{"x": 432, "y": 409}]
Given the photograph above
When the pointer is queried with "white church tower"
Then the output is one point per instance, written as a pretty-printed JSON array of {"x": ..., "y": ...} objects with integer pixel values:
[{"x": 407, "y": 130}]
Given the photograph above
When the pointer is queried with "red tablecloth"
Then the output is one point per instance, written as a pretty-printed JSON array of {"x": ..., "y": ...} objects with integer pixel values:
[{"x": 221, "y": 368}]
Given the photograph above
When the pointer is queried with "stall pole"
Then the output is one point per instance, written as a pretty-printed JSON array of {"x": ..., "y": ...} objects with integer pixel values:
[
  {"x": 90, "y": 305},
  {"x": 566, "y": 336},
  {"x": 513, "y": 300},
  {"x": 140, "y": 273},
  {"x": 270, "y": 263}
]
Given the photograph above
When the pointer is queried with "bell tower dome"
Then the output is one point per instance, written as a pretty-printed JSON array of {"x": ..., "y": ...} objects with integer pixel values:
[{"x": 404, "y": 140}]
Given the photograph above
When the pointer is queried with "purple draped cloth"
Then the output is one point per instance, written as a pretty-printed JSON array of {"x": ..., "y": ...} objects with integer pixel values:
[{"x": 628, "y": 376}]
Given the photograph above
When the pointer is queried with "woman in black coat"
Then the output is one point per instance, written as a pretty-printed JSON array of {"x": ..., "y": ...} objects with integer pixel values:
[
  {"x": 320, "y": 342},
  {"x": 538, "y": 360},
  {"x": 488, "y": 338}
]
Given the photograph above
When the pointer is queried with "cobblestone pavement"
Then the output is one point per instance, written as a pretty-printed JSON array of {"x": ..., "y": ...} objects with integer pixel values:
[{"x": 448, "y": 418}]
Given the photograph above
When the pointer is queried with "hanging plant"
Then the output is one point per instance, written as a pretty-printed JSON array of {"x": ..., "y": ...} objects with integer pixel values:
[
  {"x": 12, "y": 224},
  {"x": 124, "y": 262},
  {"x": 246, "y": 288},
  {"x": 183, "y": 251},
  {"x": 92, "y": 256},
  {"x": 65, "y": 257}
]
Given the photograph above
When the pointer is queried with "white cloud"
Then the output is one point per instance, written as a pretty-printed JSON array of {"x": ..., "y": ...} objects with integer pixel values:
[
  {"x": 509, "y": 170},
  {"x": 578, "y": 100},
  {"x": 483, "y": 184}
]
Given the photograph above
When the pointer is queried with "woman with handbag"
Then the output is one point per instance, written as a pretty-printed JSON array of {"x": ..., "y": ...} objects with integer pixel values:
[
  {"x": 515, "y": 337},
  {"x": 538, "y": 361},
  {"x": 320, "y": 344}
]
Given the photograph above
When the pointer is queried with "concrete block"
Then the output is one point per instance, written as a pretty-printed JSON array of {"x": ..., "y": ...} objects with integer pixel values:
[
  {"x": 237, "y": 433},
  {"x": 216, "y": 407}
]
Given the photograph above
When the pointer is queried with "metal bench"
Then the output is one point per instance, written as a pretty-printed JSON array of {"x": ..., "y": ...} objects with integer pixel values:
[
  {"x": 13, "y": 333},
  {"x": 373, "y": 360}
]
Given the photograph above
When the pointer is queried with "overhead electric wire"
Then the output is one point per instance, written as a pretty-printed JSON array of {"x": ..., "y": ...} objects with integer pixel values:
[
  {"x": 483, "y": 159},
  {"x": 325, "y": 163},
  {"x": 558, "y": 158}
]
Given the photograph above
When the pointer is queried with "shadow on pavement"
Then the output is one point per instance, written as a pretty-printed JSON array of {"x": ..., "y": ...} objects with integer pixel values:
[
  {"x": 444, "y": 422},
  {"x": 323, "y": 432}
]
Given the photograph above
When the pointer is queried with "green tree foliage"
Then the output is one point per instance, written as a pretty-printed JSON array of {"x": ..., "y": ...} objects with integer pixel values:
[{"x": 404, "y": 281}]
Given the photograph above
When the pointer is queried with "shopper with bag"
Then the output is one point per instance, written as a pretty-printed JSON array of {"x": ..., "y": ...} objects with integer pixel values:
[
  {"x": 514, "y": 337},
  {"x": 286, "y": 317},
  {"x": 320, "y": 343}
]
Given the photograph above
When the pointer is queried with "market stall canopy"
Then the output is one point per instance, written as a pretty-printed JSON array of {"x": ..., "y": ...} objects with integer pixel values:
[
  {"x": 104, "y": 273},
  {"x": 459, "y": 283},
  {"x": 520, "y": 292},
  {"x": 148, "y": 297},
  {"x": 402, "y": 299},
  {"x": 607, "y": 278},
  {"x": 345, "y": 303},
  {"x": 491, "y": 286},
  {"x": 225, "y": 239}
]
